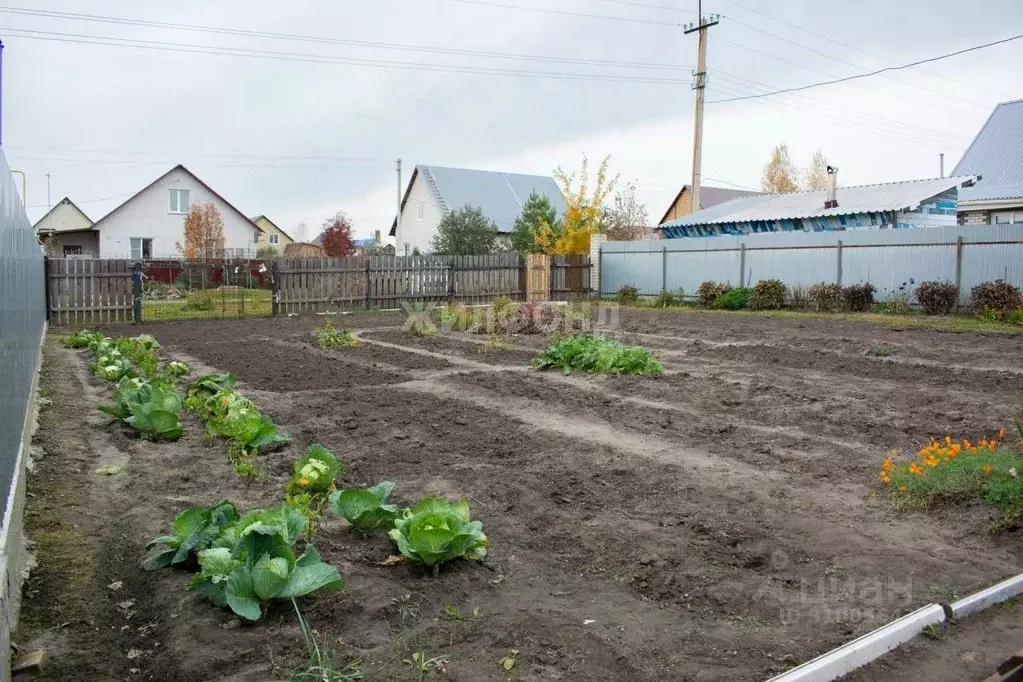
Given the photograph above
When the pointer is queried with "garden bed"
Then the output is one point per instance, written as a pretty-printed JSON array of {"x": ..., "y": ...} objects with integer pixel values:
[{"x": 717, "y": 522}]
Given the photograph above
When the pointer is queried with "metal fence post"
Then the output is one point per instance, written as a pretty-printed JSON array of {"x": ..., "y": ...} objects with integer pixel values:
[
  {"x": 275, "y": 288},
  {"x": 742, "y": 265},
  {"x": 838, "y": 263},
  {"x": 136, "y": 289},
  {"x": 664, "y": 267},
  {"x": 959, "y": 270}
]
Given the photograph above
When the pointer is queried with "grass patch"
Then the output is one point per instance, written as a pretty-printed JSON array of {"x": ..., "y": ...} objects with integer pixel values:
[
  {"x": 598, "y": 355},
  {"x": 329, "y": 336},
  {"x": 951, "y": 472},
  {"x": 877, "y": 350},
  {"x": 211, "y": 304}
]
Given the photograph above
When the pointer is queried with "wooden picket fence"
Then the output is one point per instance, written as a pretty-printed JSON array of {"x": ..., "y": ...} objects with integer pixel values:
[
  {"x": 88, "y": 291},
  {"x": 316, "y": 285}
]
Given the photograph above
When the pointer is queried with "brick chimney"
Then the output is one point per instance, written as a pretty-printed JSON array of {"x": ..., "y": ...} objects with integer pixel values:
[
  {"x": 376, "y": 237},
  {"x": 832, "y": 201}
]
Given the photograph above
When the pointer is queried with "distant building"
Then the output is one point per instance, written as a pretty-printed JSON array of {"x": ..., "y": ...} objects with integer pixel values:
[
  {"x": 914, "y": 203},
  {"x": 66, "y": 232},
  {"x": 996, "y": 157},
  {"x": 269, "y": 235},
  {"x": 435, "y": 191},
  {"x": 682, "y": 204},
  {"x": 152, "y": 222}
]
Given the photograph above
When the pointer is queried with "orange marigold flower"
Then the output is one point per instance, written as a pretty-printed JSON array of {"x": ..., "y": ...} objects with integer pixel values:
[
  {"x": 915, "y": 469},
  {"x": 967, "y": 444},
  {"x": 903, "y": 488},
  {"x": 1001, "y": 434},
  {"x": 948, "y": 440},
  {"x": 884, "y": 477},
  {"x": 932, "y": 461},
  {"x": 987, "y": 468},
  {"x": 303, "y": 482}
]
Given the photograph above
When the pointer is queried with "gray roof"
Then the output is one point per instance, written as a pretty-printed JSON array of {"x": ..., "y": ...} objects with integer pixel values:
[
  {"x": 709, "y": 196},
  {"x": 996, "y": 154},
  {"x": 891, "y": 196},
  {"x": 499, "y": 195}
]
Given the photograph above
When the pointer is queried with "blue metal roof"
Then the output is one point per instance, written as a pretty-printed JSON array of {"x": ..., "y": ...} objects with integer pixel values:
[
  {"x": 499, "y": 195},
  {"x": 364, "y": 243},
  {"x": 890, "y": 196},
  {"x": 997, "y": 155}
]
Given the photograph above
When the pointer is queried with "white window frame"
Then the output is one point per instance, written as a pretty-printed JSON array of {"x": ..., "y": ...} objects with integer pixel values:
[
  {"x": 275, "y": 239},
  {"x": 141, "y": 249},
  {"x": 419, "y": 211},
  {"x": 175, "y": 197}
]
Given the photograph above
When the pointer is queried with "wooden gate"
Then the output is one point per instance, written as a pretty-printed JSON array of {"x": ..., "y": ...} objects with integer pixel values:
[
  {"x": 88, "y": 291},
  {"x": 538, "y": 277},
  {"x": 570, "y": 277}
]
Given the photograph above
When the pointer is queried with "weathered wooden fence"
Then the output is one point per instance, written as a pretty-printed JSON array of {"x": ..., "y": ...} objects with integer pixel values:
[
  {"x": 91, "y": 291},
  {"x": 387, "y": 281},
  {"x": 88, "y": 291}
]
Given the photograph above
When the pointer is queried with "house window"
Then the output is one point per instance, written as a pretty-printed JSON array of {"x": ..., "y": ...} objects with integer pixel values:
[
  {"x": 1007, "y": 218},
  {"x": 72, "y": 251},
  {"x": 419, "y": 211},
  {"x": 179, "y": 201},
  {"x": 275, "y": 239},
  {"x": 141, "y": 249}
]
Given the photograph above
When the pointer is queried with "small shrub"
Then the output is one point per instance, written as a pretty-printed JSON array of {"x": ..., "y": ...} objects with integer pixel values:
[
  {"x": 668, "y": 299},
  {"x": 949, "y": 472},
  {"x": 825, "y": 298},
  {"x": 627, "y": 295},
  {"x": 418, "y": 322},
  {"x": 768, "y": 294},
  {"x": 877, "y": 350},
  {"x": 895, "y": 303},
  {"x": 858, "y": 298},
  {"x": 999, "y": 297},
  {"x": 937, "y": 298},
  {"x": 1015, "y": 317},
  {"x": 709, "y": 292},
  {"x": 598, "y": 355},
  {"x": 329, "y": 336},
  {"x": 798, "y": 298},
  {"x": 734, "y": 299}
]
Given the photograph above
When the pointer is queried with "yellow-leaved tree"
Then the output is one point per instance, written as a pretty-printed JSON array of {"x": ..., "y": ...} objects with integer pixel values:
[{"x": 584, "y": 210}]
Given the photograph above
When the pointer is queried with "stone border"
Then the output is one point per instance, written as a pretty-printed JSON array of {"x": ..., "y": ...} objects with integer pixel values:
[{"x": 14, "y": 557}]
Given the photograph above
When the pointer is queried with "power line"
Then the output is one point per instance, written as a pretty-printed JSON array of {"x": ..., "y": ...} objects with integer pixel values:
[
  {"x": 733, "y": 184},
  {"x": 487, "y": 3},
  {"x": 86, "y": 201},
  {"x": 225, "y": 30},
  {"x": 190, "y": 48},
  {"x": 856, "y": 48},
  {"x": 874, "y": 73}
]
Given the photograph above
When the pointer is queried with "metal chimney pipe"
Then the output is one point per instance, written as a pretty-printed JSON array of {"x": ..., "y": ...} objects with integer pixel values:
[
  {"x": 832, "y": 200},
  {"x": 941, "y": 163}
]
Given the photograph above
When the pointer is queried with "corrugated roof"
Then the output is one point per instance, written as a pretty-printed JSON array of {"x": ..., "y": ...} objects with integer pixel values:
[
  {"x": 709, "y": 196},
  {"x": 996, "y": 154},
  {"x": 891, "y": 196},
  {"x": 499, "y": 195}
]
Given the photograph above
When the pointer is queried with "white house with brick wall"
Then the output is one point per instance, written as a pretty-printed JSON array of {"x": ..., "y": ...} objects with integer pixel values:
[
  {"x": 152, "y": 223},
  {"x": 996, "y": 157}
]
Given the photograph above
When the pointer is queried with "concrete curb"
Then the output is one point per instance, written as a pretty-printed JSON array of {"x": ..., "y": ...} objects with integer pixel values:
[
  {"x": 996, "y": 594},
  {"x": 848, "y": 657}
]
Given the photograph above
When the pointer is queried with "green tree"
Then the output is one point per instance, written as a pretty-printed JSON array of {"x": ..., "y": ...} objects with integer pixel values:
[
  {"x": 536, "y": 212},
  {"x": 465, "y": 232}
]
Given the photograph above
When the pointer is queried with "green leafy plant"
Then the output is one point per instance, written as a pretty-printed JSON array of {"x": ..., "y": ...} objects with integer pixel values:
[
  {"x": 312, "y": 481},
  {"x": 878, "y": 350},
  {"x": 252, "y": 562},
  {"x": 767, "y": 294},
  {"x": 799, "y": 299},
  {"x": 825, "y": 298},
  {"x": 709, "y": 292},
  {"x": 597, "y": 355},
  {"x": 329, "y": 336},
  {"x": 858, "y": 298},
  {"x": 177, "y": 369},
  {"x": 627, "y": 295},
  {"x": 937, "y": 298},
  {"x": 150, "y": 408},
  {"x": 366, "y": 509},
  {"x": 82, "y": 339},
  {"x": 668, "y": 299},
  {"x": 418, "y": 320},
  {"x": 456, "y": 317},
  {"x": 421, "y": 665},
  {"x": 193, "y": 531},
  {"x": 236, "y": 417},
  {"x": 734, "y": 299},
  {"x": 436, "y": 531}
]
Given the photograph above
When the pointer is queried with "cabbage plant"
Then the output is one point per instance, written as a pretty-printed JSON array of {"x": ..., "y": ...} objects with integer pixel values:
[
  {"x": 193, "y": 531},
  {"x": 253, "y": 561},
  {"x": 236, "y": 417},
  {"x": 177, "y": 369},
  {"x": 435, "y": 531},
  {"x": 152, "y": 409},
  {"x": 366, "y": 509}
]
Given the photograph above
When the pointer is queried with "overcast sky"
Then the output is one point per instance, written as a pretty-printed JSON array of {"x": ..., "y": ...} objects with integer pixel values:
[{"x": 299, "y": 129}]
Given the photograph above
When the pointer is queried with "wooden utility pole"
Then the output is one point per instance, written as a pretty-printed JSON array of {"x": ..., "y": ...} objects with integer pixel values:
[{"x": 700, "y": 85}]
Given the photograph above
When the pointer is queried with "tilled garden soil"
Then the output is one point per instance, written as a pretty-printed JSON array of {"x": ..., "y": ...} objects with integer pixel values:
[{"x": 720, "y": 522}]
